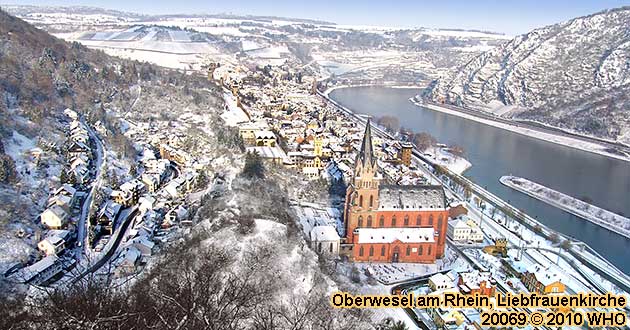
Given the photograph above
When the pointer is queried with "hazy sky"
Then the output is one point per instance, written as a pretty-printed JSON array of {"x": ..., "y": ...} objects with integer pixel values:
[{"x": 507, "y": 16}]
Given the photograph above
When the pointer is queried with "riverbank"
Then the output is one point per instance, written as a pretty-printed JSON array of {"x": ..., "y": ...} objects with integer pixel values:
[
  {"x": 437, "y": 155},
  {"x": 556, "y": 138},
  {"x": 601, "y": 217}
]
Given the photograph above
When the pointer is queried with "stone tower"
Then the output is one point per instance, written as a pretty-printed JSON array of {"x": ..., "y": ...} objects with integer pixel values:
[{"x": 362, "y": 194}]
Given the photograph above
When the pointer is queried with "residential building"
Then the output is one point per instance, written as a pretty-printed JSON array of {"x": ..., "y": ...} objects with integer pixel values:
[
  {"x": 52, "y": 245},
  {"x": 543, "y": 281},
  {"x": 440, "y": 281},
  {"x": 54, "y": 217}
]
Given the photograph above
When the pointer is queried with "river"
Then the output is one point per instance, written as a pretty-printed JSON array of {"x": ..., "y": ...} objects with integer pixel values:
[{"x": 495, "y": 152}]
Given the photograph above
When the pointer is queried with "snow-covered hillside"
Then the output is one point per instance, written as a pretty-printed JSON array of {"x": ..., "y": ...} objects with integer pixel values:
[{"x": 574, "y": 75}]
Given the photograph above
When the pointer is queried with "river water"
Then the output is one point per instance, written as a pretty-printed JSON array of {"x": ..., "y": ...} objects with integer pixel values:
[{"x": 495, "y": 152}]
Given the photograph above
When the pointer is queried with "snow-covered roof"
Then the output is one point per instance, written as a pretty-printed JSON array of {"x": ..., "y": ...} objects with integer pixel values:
[
  {"x": 441, "y": 280},
  {"x": 265, "y": 135},
  {"x": 324, "y": 233},
  {"x": 389, "y": 235},
  {"x": 268, "y": 152},
  {"x": 412, "y": 197},
  {"x": 458, "y": 224}
]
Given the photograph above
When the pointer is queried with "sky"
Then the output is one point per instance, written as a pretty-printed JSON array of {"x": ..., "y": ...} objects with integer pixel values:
[{"x": 506, "y": 16}]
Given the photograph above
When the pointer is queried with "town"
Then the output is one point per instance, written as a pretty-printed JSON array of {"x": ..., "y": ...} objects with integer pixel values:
[{"x": 385, "y": 210}]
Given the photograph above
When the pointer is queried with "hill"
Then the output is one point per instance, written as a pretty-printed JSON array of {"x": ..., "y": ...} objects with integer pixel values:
[{"x": 573, "y": 75}]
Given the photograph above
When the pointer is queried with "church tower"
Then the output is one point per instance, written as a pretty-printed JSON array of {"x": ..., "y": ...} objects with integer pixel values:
[
  {"x": 362, "y": 195},
  {"x": 318, "y": 146}
]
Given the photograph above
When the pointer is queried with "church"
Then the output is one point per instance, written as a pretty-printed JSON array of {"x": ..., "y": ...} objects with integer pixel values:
[{"x": 392, "y": 223}]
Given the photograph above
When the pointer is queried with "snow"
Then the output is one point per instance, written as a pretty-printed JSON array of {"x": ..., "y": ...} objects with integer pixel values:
[
  {"x": 592, "y": 213},
  {"x": 233, "y": 115},
  {"x": 441, "y": 156}
]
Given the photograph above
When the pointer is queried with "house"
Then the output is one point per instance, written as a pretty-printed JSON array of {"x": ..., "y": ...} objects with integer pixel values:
[
  {"x": 128, "y": 194},
  {"x": 458, "y": 230},
  {"x": 40, "y": 271},
  {"x": 108, "y": 214},
  {"x": 129, "y": 262},
  {"x": 146, "y": 203},
  {"x": 54, "y": 217},
  {"x": 477, "y": 282},
  {"x": 325, "y": 239},
  {"x": 463, "y": 229},
  {"x": 537, "y": 279},
  {"x": 440, "y": 281},
  {"x": 265, "y": 138},
  {"x": 81, "y": 173},
  {"x": 65, "y": 202},
  {"x": 77, "y": 148},
  {"x": 158, "y": 167},
  {"x": 52, "y": 245},
  {"x": 143, "y": 244},
  {"x": 152, "y": 181},
  {"x": 67, "y": 190},
  {"x": 447, "y": 318}
]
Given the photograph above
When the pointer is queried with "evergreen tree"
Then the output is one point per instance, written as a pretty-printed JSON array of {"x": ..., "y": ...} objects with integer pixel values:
[{"x": 254, "y": 167}]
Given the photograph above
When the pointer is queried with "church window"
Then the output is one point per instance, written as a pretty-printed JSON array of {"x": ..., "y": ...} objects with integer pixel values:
[
  {"x": 381, "y": 221},
  {"x": 429, "y": 249},
  {"x": 361, "y": 201},
  {"x": 369, "y": 221},
  {"x": 371, "y": 200},
  {"x": 371, "y": 251},
  {"x": 419, "y": 220},
  {"x": 440, "y": 220},
  {"x": 361, "y": 251},
  {"x": 420, "y": 250},
  {"x": 406, "y": 220},
  {"x": 431, "y": 220},
  {"x": 408, "y": 250},
  {"x": 394, "y": 221},
  {"x": 383, "y": 251},
  {"x": 360, "y": 222}
]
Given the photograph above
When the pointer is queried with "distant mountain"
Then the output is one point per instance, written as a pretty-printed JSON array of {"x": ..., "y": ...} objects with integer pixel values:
[
  {"x": 574, "y": 75},
  {"x": 24, "y": 11}
]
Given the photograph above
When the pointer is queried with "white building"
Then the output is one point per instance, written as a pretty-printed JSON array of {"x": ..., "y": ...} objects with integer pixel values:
[
  {"x": 54, "y": 217},
  {"x": 52, "y": 245},
  {"x": 440, "y": 281},
  {"x": 325, "y": 239},
  {"x": 462, "y": 231}
]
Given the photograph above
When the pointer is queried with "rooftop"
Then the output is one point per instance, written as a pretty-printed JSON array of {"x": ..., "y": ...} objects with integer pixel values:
[
  {"x": 389, "y": 235},
  {"x": 412, "y": 197}
]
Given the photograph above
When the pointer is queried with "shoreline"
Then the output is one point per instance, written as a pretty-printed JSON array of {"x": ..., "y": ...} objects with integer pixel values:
[
  {"x": 556, "y": 138},
  {"x": 459, "y": 165},
  {"x": 570, "y": 142}
]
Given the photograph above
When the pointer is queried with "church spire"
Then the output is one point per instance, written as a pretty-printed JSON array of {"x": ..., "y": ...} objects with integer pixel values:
[{"x": 366, "y": 154}]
